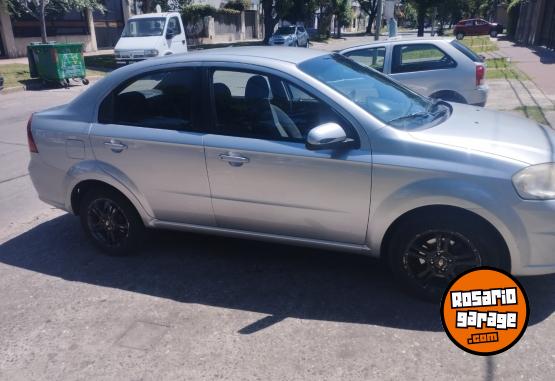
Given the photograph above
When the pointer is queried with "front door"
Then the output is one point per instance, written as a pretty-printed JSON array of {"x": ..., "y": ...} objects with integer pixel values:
[
  {"x": 178, "y": 43},
  {"x": 264, "y": 179},
  {"x": 148, "y": 134}
]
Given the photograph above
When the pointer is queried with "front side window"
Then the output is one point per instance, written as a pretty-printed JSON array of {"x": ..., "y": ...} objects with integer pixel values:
[
  {"x": 371, "y": 57},
  {"x": 376, "y": 93},
  {"x": 164, "y": 100},
  {"x": 419, "y": 57},
  {"x": 173, "y": 25},
  {"x": 144, "y": 27},
  {"x": 256, "y": 105}
]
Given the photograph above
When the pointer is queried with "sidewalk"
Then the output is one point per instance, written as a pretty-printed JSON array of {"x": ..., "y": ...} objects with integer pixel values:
[
  {"x": 23, "y": 60},
  {"x": 538, "y": 92}
]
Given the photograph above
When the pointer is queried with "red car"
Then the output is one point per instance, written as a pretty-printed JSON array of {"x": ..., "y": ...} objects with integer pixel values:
[{"x": 476, "y": 27}]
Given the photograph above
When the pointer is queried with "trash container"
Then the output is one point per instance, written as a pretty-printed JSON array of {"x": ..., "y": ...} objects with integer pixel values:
[{"x": 57, "y": 62}]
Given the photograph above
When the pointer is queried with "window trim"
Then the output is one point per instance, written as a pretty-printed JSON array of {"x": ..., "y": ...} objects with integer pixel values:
[
  {"x": 397, "y": 49},
  {"x": 196, "y": 119},
  {"x": 258, "y": 70}
]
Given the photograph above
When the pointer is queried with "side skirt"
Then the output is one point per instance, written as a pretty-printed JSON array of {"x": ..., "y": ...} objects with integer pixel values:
[{"x": 296, "y": 241}]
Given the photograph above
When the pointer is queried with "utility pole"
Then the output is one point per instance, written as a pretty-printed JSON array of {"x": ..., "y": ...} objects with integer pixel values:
[{"x": 379, "y": 20}]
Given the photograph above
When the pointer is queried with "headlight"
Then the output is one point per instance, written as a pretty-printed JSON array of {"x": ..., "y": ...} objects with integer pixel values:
[
  {"x": 151, "y": 53},
  {"x": 536, "y": 182}
]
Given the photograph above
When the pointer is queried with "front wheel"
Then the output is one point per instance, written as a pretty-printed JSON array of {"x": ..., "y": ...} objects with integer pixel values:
[
  {"x": 111, "y": 221},
  {"x": 426, "y": 253}
]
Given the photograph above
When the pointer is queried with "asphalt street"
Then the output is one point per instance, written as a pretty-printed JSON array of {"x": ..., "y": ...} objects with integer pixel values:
[{"x": 198, "y": 307}]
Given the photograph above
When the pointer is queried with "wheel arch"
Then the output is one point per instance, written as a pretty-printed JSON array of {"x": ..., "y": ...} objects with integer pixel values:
[
  {"x": 451, "y": 210},
  {"x": 88, "y": 174},
  {"x": 449, "y": 96}
]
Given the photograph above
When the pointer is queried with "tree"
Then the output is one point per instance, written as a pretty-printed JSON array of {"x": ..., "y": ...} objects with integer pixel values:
[
  {"x": 40, "y": 8},
  {"x": 370, "y": 7},
  {"x": 343, "y": 14},
  {"x": 422, "y": 7},
  {"x": 273, "y": 11}
]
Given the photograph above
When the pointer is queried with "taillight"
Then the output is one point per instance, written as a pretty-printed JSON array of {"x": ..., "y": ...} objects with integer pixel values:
[
  {"x": 480, "y": 74},
  {"x": 30, "y": 140}
]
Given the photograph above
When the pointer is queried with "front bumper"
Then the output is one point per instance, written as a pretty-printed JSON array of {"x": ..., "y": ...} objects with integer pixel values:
[{"x": 534, "y": 235}]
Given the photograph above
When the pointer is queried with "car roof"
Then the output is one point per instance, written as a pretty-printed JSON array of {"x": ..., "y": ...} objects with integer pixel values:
[
  {"x": 248, "y": 53},
  {"x": 407, "y": 40},
  {"x": 151, "y": 15}
]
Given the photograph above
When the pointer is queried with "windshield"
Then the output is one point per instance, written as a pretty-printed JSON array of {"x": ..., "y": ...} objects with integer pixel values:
[
  {"x": 144, "y": 27},
  {"x": 284, "y": 30},
  {"x": 379, "y": 95}
]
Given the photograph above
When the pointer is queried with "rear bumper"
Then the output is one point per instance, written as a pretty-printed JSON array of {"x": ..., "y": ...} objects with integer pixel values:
[{"x": 478, "y": 96}]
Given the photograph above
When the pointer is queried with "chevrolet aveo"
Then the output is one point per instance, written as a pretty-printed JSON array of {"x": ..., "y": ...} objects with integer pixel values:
[{"x": 301, "y": 147}]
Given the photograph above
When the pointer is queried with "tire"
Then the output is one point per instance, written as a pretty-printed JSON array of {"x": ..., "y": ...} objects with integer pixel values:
[
  {"x": 428, "y": 251},
  {"x": 459, "y": 35},
  {"x": 307, "y": 43},
  {"x": 119, "y": 229},
  {"x": 493, "y": 33},
  {"x": 85, "y": 81}
]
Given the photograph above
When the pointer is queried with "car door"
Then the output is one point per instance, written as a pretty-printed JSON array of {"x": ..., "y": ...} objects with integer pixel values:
[
  {"x": 149, "y": 136},
  {"x": 264, "y": 179},
  {"x": 373, "y": 57},
  {"x": 482, "y": 27},
  {"x": 177, "y": 43},
  {"x": 423, "y": 67}
]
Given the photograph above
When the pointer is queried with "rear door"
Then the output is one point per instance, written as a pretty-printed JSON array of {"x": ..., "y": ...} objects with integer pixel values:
[
  {"x": 423, "y": 67},
  {"x": 149, "y": 136}
]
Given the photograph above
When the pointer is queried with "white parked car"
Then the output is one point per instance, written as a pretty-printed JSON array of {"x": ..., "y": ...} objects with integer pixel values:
[
  {"x": 438, "y": 68},
  {"x": 151, "y": 35}
]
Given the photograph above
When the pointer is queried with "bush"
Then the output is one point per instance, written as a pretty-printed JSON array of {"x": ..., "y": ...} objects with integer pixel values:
[
  {"x": 195, "y": 12},
  {"x": 238, "y": 5}
]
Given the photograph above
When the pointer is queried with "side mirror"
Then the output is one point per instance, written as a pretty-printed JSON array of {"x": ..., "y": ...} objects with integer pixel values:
[
  {"x": 170, "y": 34},
  {"x": 326, "y": 136}
]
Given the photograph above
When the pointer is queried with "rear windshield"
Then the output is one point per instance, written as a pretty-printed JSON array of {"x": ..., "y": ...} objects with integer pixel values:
[{"x": 466, "y": 51}]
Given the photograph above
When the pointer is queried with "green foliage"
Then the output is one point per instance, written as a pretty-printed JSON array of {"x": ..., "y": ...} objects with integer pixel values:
[
  {"x": 238, "y": 5},
  {"x": 195, "y": 12}
]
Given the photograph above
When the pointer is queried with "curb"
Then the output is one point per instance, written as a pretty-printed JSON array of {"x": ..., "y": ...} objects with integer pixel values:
[{"x": 36, "y": 87}]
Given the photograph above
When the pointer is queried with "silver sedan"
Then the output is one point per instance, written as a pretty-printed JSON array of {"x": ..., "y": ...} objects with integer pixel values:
[{"x": 301, "y": 147}]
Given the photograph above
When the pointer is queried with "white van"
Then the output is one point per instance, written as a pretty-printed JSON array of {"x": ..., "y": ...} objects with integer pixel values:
[{"x": 151, "y": 35}]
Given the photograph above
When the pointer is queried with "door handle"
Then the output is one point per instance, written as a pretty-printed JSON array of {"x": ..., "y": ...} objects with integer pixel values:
[
  {"x": 234, "y": 159},
  {"x": 115, "y": 145}
]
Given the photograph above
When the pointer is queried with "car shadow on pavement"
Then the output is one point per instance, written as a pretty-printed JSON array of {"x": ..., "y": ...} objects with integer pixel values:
[{"x": 277, "y": 280}]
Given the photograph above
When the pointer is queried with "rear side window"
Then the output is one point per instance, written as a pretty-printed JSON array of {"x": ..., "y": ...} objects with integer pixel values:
[
  {"x": 420, "y": 57},
  {"x": 466, "y": 51},
  {"x": 163, "y": 99},
  {"x": 373, "y": 57}
]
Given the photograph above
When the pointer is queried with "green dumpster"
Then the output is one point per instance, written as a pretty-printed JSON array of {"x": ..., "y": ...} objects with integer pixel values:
[{"x": 57, "y": 62}]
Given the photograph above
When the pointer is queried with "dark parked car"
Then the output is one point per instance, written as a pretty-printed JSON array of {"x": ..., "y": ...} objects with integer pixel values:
[{"x": 476, "y": 27}]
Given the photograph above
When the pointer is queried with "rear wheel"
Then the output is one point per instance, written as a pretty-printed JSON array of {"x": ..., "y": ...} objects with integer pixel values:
[
  {"x": 459, "y": 35},
  {"x": 427, "y": 252},
  {"x": 111, "y": 221}
]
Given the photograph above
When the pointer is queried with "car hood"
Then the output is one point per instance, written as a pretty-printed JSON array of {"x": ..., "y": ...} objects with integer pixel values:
[
  {"x": 138, "y": 43},
  {"x": 493, "y": 132}
]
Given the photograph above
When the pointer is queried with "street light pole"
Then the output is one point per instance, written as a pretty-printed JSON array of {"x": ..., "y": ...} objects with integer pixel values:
[{"x": 378, "y": 20}]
